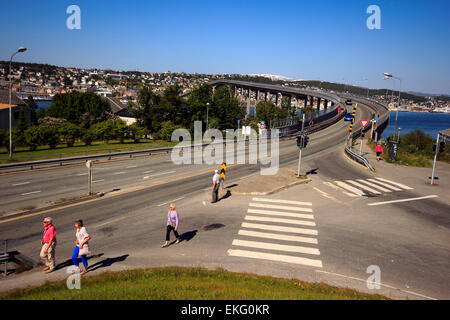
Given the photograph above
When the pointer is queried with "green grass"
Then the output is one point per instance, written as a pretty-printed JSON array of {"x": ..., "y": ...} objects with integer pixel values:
[
  {"x": 79, "y": 149},
  {"x": 176, "y": 283}
]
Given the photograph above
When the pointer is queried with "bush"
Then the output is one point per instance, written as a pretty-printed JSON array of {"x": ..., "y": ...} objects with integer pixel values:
[
  {"x": 87, "y": 136},
  {"x": 104, "y": 130},
  {"x": 49, "y": 136},
  {"x": 121, "y": 130},
  {"x": 69, "y": 132},
  {"x": 167, "y": 128},
  {"x": 2, "y": 137},
  {"x": 137, "y": 132},
  {"x": 33, "y": 137}
]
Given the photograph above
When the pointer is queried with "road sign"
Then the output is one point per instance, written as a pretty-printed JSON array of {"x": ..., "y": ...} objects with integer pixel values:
[{"x": 364, "y": 123}]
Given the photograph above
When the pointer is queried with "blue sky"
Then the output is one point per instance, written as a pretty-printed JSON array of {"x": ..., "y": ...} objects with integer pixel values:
[{"x": 321, "y": 40}]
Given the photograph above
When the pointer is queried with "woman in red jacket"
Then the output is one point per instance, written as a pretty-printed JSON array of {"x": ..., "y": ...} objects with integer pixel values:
[{"x": 379, "y": 151}]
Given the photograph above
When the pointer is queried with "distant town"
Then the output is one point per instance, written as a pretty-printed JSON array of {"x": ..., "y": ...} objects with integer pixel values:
[{"x": 44, "y": 81}]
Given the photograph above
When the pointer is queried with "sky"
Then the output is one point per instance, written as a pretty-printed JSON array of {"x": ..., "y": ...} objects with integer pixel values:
[{"x": 312, "y": 40}]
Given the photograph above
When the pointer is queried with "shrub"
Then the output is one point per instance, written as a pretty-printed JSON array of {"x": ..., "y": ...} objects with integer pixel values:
[
  {"x": 69, "y": 132},
  {"x": 167, "y": 128},
  {"x": 87, "y": 136},
  {"x": 33, "y": 137}
]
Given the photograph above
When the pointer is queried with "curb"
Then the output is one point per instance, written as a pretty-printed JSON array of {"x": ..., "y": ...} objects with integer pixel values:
[{"x": 273, "y": 190}]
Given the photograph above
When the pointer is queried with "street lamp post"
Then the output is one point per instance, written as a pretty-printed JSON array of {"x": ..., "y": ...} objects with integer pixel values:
[
  {"x": 388, "y": 75},
  {"x": 207, "y": 115},
  {"x": 21, "y": 49}
]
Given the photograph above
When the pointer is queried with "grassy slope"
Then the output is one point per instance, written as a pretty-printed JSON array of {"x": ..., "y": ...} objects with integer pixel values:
[{"x": 186, "y": 283}]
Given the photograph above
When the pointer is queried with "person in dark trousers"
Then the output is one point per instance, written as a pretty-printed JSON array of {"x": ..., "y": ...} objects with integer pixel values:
[
  {"x": 172, "y": 224},
  {"x": 216, "y": 184}
]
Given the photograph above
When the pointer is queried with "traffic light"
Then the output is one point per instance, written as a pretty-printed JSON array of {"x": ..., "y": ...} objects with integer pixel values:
[
  {"x": 363, "y": 133},
  {"x": 299, "y": 141},
  {"x": 434, "y": 148},
  {"x": 305, "y": 141},
  {"x": 441, "y": 146}
]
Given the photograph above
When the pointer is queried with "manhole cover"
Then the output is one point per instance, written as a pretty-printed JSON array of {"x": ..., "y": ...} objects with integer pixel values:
[{"x": 213, "y": 226}]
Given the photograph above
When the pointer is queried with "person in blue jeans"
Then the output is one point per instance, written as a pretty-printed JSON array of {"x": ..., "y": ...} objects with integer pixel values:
[{"x": 81, "y": 245}]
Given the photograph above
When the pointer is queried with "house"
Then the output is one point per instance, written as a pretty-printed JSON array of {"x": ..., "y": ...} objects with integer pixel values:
[
  {"x": 119, "y": 110},
  {"x": 16, "y": 103}
]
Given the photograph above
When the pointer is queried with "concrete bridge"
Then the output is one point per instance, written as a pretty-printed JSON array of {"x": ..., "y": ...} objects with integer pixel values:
[{"x": 250, "y": 93}]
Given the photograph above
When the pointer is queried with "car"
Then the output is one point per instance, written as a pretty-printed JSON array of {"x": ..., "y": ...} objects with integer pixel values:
[
  {"x": 348, "y": 102},
  {"x": 348, "y": 117}
]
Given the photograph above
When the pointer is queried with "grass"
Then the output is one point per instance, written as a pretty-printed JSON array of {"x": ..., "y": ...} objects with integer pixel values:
[
  {"x": 176, "y": 283},
  {"x": 79, "y": 149}
]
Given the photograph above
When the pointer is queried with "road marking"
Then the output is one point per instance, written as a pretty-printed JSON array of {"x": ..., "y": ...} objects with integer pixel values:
[
  {"x": 82, "y": 174},
  {"x": 248, "y": 176},
  {"x": 363, "y": 187},
  {"x": 279, "y": 220},
  {"x": 374, "y": 185},
  {"x": 350, "y": 188},
  {"x": 98, "y": 180},
  {"x": 28, "y": 193},
  {"x": 274, "y": 246},
  {"x": 326, "y": 195},
  {"x": 283, "y": 201},
  {"x": 276, "y": 236},
  {"x": 339, "y": 189},
  {"x": 121, "y": 172},
  {"x": 280, "y": 213},
  {"x": 146, "y": 177},
  {"x": 385, "y": 185},
  {"x": 278, "y": 228},
  {"x": 402, "y": 200},
  {"x": 159, "y": 205},
  {"x": 381, "y": 284},
  {"x": 20, "y": 183},
  {"x": 270, "y": 206},
  {"x": 395, "y": 183},
  {"x": 129, "y": 167},
  {"x": 148, "y": 171},
  {"x": 275, "y": 257}
]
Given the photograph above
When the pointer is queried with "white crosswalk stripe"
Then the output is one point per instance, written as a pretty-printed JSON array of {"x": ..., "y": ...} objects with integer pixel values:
[
  {"x": 271, "y": 226},
  {"x": 363, "y": 187}
]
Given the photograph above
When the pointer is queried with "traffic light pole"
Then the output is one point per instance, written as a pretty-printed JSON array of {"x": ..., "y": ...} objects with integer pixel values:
[
  {"x": 301, "y": 147},
  {"x": 435, "y": 157}
]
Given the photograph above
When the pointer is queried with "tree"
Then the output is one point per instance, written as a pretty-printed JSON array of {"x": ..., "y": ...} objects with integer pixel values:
[
  {"x": 167, "y": 128},
  {"x": 88, "y": 136},
  {"x": 19, "y": 130},
  {"x": 33, "y": 137},
  {"x": 49, "y": 130},
  {"x": 32, "y": 106},
  {"x": 105, "y": 130},
  {"x": 226, "y": 108},
  {"x": 69, "y": 132},
  {"x": 121, "y": 130},
  {"x": 137, "y": 132},
  {"x": 2, "y": 137},
  {"x": 41, "y": 113},
  {"x": 287, "y": 109},
  {"x": 266, "y": 111}
]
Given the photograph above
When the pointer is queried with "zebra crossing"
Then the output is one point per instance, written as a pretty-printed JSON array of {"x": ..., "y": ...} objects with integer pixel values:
[
  {"x": 278, "y": 230},
  {"x": 364, "y": 187}
]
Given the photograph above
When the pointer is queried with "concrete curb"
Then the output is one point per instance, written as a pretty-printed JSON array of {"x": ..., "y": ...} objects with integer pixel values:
[{"x": 271, "y": 191}]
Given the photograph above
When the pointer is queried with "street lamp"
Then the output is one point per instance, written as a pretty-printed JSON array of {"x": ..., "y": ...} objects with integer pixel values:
[
  {"x": 207, "y": 115},
  {"x": 388, "y": 75},
  {"x": 21, "y": 49}
]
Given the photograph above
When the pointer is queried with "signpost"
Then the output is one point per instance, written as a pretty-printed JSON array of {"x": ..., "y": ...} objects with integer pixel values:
[
  {"x": 223, "y": 169},
  {"x": 301, "y": 146},
  {"x": 89, "y": 165},
  {"x": 363, "y": 124}
]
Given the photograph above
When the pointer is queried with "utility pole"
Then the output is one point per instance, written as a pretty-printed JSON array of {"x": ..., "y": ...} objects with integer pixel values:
[
  {"x": 435, "y": 158},
  {"x": 301, "y": 146},
  {"x": 89, "y": 165}
]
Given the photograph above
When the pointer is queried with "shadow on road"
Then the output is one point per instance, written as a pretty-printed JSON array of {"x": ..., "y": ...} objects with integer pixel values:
[
  {"x": 69, "y": 262},
  {"x": 312, "y": 171},
  {"x": 107, "y": 262},
  {"x": 188, "y": 235},
  {"x": 227, "y": 195}
]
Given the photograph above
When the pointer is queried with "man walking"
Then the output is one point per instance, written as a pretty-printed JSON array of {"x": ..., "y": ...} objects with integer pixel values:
[
  {"x": 216, "y": 184},
  {"x": 48, "y": 245}
]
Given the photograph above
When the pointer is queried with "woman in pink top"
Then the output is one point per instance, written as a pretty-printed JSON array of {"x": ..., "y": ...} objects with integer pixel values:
[
  {"x": 172, "y": 224},
  {"x": 379, "y": 151}
]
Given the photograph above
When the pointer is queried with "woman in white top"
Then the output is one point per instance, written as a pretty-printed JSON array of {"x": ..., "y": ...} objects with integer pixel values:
[{"x": 81, "y": 245}]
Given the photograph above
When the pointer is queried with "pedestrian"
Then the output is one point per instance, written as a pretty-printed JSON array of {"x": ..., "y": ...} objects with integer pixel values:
[
  {"x": 81, "y": 245},
  {"x": 379, "y": 151},
  {"x": 339, "y": 109},
  {"x": 172, "y": 224},
  {"x": 311, "y": 123},
  {"x": 48, "y": 243},
  {"x": 216, "y": 183}
]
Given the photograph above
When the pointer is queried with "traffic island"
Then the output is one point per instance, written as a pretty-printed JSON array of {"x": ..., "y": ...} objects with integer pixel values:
[{"x": 259, "y": 185}]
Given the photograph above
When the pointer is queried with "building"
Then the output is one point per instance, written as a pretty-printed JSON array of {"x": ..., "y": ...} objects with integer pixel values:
[{"x": 16, "y": 103}]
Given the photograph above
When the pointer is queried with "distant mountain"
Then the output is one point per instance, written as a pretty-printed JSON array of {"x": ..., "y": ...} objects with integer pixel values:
[
  {"x": 421, "y": 94},
  {"x": 274, "y": 77}
]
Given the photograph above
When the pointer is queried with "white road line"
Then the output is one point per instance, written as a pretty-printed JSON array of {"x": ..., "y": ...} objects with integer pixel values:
[
  {"x": 33, "y": 192},
  {"x": 276, "y": 236},
  {"x": 395, "y": 183},
  {"x": 98, "y": 180},
  {"x": 82, "y": 174},
  {"x": 279, "y": 220},
  {"x": 374, "y": 185},
  {"x": 129, "y": 167},
  {"x": 278, "y": 228},
  {"x": 402, "y": 200},
  {"x": 363, "y": 186},
  {"x": 298, "y": 203},
  {"x": 326, "y": 195},
  {"x": 160, "y": 174},
  {"x": 147, "y": 171},
  {"x": 121, "y": 172},
  {"x": 381, "y": 284},
  {"x": 275, "y": 257},
  {"x": 146, "y": 177},
  {"x": 385, "y": 185},
  {"x": 350, "y": 188},
  {"x": 248, "y": 176},
  {"x": 270, "y": 206},
  {"x": 159, "y": 205},
  {"x": 274, "y": 246},
  {"x": 280, "y": 213},
  {"x": 339, "y": 189},
  {"x": 20, "y": 183}
]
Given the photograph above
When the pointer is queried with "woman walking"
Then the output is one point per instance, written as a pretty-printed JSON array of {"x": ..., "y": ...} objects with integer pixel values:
[
  {"x": 379, "y": 151},
  {"x": 172, "y": 224},
  {"x": 81, "y": 245}
]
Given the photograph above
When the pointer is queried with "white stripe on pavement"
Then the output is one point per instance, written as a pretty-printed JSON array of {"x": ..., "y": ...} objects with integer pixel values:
[
  {"x": 278, "y": 228},
  {"x": 121, "y": 172},
  {"x": 395, "y": 183},
  {"x": 98, "y": 180},
  {"x": 276, "y": 236},
  {"x": 148, "y": 171},
  {"x": 274, "y": 246},
  {"x": 385, "y": 185},
  {"x": 28, "y": 193},
  {"x": 129, "y": 167},
  {"x": 350, "y": 188},
  {"x": 298, "y": 203},
  {"x": 280, "y": 213},
  {"x": 20, "y": 183},
  {"x": 159, "y": 205},
  {"x": 275, "y": 257},
  {"x": 402, "y": 200},
  {"x": 82, "y": 174},
  {"x": 270, "y": 206},
  {"x": 363, "y": 186},
  {"x": 279, "y": 220},
  {"x": 374, "y": 185},
  {"x": 339, "y": 189}
]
